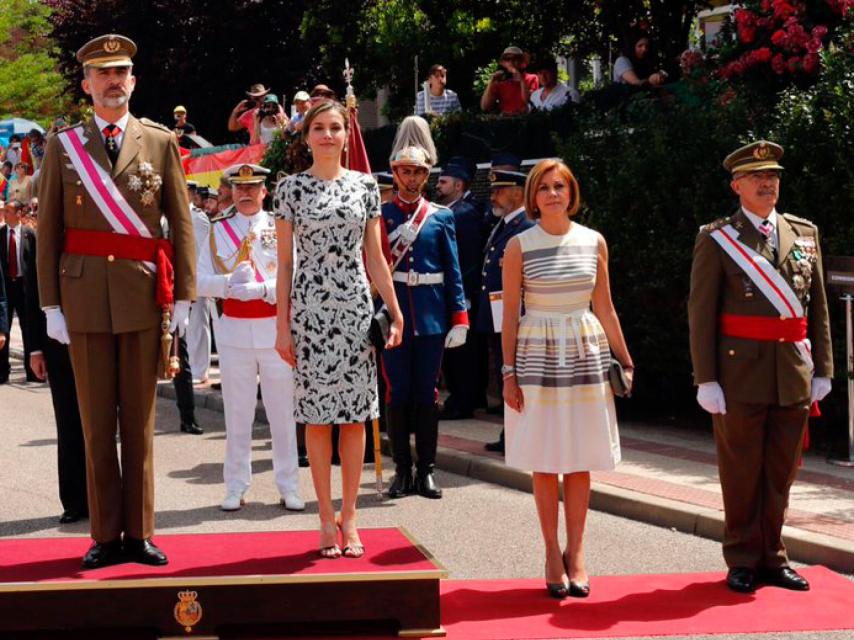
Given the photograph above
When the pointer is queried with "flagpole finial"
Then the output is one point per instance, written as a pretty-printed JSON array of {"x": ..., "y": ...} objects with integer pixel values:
[{"x": 348, "y": 78}]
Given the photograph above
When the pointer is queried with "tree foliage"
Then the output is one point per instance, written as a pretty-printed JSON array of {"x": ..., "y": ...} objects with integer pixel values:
[
  {"x": 202, "y": 54},
  {"x": 30, "y": 85},
  {"x": 384, "y": 37}
]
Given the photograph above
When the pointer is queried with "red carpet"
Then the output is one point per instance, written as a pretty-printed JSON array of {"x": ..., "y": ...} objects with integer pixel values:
[
  {"x": 619, "y": 606},
  {"x": 219, "y": 554},
  {"x": 639, "y": 605}
]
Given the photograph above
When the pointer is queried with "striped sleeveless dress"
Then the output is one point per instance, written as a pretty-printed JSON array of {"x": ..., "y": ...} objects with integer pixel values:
[{"x": 568, "y": 422}]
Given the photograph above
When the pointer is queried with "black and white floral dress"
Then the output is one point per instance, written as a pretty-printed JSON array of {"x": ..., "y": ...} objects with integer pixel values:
[{"x": 331, "y": 308}]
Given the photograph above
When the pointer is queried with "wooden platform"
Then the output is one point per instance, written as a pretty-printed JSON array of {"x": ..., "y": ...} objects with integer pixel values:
[{"x": 220, "y": 585}]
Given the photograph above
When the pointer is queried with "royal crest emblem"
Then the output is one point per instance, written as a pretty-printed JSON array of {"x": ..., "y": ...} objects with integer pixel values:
[
  {"x": 188, "y": 611},
  {"x": 146, "y": 181},
  {"x": 761, "y": 152},
  {"x": 245, "y": 171},
  {"x": 111, "y": 45}
]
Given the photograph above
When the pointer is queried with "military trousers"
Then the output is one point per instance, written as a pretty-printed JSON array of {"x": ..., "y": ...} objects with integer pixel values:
[
  {"x": 759, "y": 448},
  {"x": 116, "y": 376}
]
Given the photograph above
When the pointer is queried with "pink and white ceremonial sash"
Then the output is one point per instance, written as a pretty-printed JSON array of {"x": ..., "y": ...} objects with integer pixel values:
[
  {"x": 103, "y": 191},
  {"x": 767, "y": 280},
  {"x": 232, "y": 235}
]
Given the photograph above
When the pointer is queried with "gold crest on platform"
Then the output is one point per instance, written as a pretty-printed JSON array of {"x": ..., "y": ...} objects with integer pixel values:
[{"x": 188, "y": 612}]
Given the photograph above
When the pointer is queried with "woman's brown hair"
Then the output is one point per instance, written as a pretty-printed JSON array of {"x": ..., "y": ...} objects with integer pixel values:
[
  {"x": 323, "y": 107},
  {"x": 535, "y": 177}
]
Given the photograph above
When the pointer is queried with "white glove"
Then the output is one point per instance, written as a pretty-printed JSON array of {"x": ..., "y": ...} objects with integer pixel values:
[
  {"x": 180, "y": 317},
  {"x": 820, "y": 388},
  {"x": 456, "y": 336},
  {"x": 244, "y": 273},
  {"x": 248, "y": 291},
  {"x": 710, "y": 396},
  {"x": 56, "y": 327}
]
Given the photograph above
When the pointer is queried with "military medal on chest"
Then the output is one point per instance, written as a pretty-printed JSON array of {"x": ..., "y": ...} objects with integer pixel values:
[
  {"x": 268, "y": 238},
  {"x": 804, "y": 255},
  {"x": 145, "y": 181}
]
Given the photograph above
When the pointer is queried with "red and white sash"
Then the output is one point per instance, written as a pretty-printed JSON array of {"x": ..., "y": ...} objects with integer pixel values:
[
  {"x": 405, "y": 234},
  {"x": 101, "y": 188},
  {"x": 767, "y": 280}
]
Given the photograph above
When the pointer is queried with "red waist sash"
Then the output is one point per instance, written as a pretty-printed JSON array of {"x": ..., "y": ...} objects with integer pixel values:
[
  {"x": 764, "y": 328},
  {"x": 248, "y": 309},
  {"x": 110, "y": 245}
]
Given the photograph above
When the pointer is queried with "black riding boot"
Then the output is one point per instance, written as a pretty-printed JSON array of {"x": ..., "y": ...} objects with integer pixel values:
[
  {"x": 397, "y": 425},
  {"x": 426, "y": 441}
]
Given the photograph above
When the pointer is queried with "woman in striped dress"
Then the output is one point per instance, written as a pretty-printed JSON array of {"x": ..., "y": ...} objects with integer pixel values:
[{"x": 561, "y": 417}]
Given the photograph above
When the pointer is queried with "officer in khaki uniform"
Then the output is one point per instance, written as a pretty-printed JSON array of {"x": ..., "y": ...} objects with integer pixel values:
[
  {"x": 760, "y": 346},
  {"x": 103, "y": 280}
]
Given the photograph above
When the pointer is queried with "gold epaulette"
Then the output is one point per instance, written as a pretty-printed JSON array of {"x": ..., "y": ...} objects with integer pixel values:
[
  {"x": 798, "y": 220},
  {"x": 720, "y": 223},
  {"x": 69, "y": 126},
  {"x": 156, "y": 125}
]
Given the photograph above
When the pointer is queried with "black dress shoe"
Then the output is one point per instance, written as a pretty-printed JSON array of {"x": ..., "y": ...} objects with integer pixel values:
[
  {"x": 103, "y": 554},
  {"x": 302, "y": 460},
  {"x": 741, "y": 579},
  {"x": 72, "y": 515},
  {"x": 495, "y": 447},
  {"x": 192, "y": 427},
  {"x": 425, "y": 485},
  {"x": 401, "y": 484},
  {"x": 579, "y": 589},
  {"x": 144, "y": 552},
  {"x": 785, "y": 577}
]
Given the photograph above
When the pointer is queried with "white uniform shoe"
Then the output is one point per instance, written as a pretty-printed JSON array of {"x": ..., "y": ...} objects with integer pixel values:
[
  {"x": 233, "y": 501},
  {"x": 293, "y": 502}
]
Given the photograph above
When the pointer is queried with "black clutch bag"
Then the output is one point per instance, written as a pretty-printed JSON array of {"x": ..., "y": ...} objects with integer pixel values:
[
  {"x": 619, "y": 382},
  {"x": 380, "y": 328}
]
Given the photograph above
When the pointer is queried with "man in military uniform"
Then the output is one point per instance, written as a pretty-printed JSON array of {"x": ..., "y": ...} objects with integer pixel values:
[
  {"x": 507, "y": 192},
  {"x": 760, "y": 346},
  {"x": 199, "y": 329},
  {"x": 238, "y": 267},
  {"x": 460, "y": 365},
  {"x": 429, "y": 288},
  {"x": 104, "y": 282}
]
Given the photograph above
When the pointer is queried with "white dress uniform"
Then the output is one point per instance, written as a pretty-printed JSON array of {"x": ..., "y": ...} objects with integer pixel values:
[
  {"x": 199, "y": 330},
  {"x": 246, "y": 338}
]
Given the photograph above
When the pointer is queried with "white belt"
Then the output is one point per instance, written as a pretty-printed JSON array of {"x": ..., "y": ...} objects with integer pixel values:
[
  {"x": 566, "y": 319},
  {"x": 413, "y": 278}
]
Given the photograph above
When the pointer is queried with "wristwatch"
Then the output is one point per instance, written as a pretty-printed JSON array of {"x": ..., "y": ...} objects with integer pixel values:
[{"x": 507, "y": 369}]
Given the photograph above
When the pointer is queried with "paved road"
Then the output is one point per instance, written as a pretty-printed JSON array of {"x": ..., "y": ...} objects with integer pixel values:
[{"x": 478, "y": 530}]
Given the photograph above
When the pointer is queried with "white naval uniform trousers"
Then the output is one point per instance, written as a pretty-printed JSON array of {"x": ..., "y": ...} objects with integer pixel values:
[
  {"x": 199, "y": 329},
  {"x": 246, "y": 353}
]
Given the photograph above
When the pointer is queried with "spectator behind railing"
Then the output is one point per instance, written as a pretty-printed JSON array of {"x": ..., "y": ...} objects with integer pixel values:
[
  {"x": 249, "y": 113},
  {"x": 302, "y": 103},
  {"x": 510, "y": 87},
  {"x": 21, "y": 184},
  {"x": 36, "y": 147},
  {"x": 551, "y": 94},
  {"x": 435, "y": 98},
  {"x": 636, "y": 67}
]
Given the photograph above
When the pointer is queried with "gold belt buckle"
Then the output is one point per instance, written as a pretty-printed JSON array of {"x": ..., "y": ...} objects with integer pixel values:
[{"x": 412, "y": 278}]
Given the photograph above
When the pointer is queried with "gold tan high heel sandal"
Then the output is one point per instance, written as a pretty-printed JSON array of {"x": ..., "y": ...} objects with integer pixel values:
[{"x": 329, "y": 551}]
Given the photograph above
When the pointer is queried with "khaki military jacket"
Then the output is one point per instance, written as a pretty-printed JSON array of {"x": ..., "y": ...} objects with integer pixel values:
[
  {"x": 97, "y": 294},
  {"x": 759, "y": 371}
]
